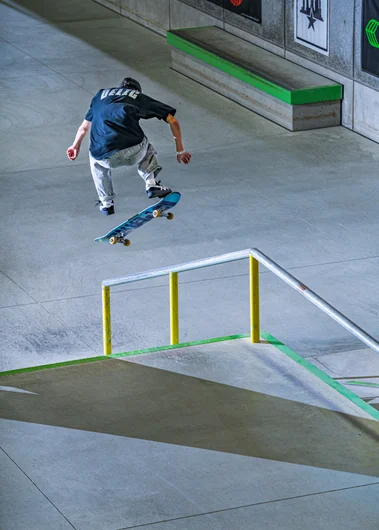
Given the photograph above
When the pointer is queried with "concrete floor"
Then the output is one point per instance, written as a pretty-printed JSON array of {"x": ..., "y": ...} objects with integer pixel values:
[
  {"x": 219, "y": 436},
  {"x": 308, "y": 200}
]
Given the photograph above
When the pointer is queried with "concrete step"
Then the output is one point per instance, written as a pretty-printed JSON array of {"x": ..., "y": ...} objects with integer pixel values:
[{"x": 268, "y": 84}]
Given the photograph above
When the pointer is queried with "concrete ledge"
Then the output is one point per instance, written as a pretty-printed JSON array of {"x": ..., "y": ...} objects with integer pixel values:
[
  {"x": 280, "y": 90},
  {"x": 292, "y": 117},
  {"x": 345, "y": 82}
]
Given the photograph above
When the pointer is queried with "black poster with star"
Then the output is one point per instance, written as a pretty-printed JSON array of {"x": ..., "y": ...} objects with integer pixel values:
[
  {"x": 370, "y": 37},
  {"x": 248, "y": 9},
  {"x": 312, "y": 24}
]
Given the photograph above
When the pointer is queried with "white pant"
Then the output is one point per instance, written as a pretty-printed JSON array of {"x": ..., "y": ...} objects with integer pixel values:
[{"x": 144, "y": 155}]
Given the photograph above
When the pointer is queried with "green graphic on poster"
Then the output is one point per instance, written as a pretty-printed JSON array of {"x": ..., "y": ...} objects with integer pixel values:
[
  {"x": 370, "y": 37},
  {"x": 372, "y": 32}
]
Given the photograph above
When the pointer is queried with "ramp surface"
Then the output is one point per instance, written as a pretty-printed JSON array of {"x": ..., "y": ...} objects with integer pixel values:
[{"x": 211, "y": 436}]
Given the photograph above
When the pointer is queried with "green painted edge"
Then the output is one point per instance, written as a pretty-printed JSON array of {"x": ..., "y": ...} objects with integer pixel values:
[
  {"x": 321, "y": 375},
  {"x": 291, "y": 97},
  {"x": 117, "y": 355},
  {"x": 53, "y": 365},
  {"x": 317, "y": 94},
  {"x": 362, "y": 383},
  {"x": 229, "y": 68},
  {"x": 178, "y": 346}
]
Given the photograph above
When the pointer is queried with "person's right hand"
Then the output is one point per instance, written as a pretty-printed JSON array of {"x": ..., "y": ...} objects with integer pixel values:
[
  {"x": 73, "y": 152},
  {"x": 184, "y": 157}
]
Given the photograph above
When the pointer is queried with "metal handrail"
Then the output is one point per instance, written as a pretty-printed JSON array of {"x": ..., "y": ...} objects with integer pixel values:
[
  {"x": 182, "y": 267},
  {"x": 255, "y": 257}
]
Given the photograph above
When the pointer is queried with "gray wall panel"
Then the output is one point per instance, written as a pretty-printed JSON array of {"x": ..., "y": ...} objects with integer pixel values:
[
  {"x": 154, "y": 14},
  {"x": 366, "y": 111},
  {"x": 111, "y": 4},
  {"x": 182, "y": 15},
  {"x": 272, "y": 26},
  {"x": 207, "y": 7}
]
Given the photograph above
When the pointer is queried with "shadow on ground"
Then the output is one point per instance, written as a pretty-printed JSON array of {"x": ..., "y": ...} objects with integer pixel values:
[{"x": 127, "y": 399}]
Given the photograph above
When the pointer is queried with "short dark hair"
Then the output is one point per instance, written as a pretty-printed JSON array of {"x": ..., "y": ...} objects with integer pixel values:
[{"x": 129, "y": 82}]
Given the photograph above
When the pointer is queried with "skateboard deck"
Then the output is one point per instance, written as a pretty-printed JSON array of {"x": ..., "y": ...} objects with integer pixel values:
[{"x": 159, "y": 209}]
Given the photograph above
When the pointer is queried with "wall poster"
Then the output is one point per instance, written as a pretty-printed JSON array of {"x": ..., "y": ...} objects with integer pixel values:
[
  {"x": 312, "y": 24},
  {"x": 370, "y": 37},
  {"x": 249, "y": 9}
]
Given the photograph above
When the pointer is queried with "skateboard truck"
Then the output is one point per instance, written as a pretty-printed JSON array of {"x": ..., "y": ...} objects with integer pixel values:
[
  {"x": 119, "y": 239},
  {"x": 161, "y": 213}
]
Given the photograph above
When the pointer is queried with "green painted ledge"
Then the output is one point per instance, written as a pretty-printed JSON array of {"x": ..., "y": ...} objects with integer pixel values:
[{"x": 292, "y": 97}]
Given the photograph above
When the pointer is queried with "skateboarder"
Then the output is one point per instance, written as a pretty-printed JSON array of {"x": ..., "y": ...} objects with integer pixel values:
[{"x": 117, "y": 139}]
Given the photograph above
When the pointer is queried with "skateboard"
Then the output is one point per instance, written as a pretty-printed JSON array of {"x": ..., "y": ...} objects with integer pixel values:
[{"x": 159, "y": 209}]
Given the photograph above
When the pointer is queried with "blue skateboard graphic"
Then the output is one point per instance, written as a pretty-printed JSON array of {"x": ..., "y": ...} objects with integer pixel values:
[{"x": 159, "y": 209}]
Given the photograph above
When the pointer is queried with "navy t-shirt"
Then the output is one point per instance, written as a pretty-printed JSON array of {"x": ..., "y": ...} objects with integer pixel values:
[{"x": 114, "y": 115}]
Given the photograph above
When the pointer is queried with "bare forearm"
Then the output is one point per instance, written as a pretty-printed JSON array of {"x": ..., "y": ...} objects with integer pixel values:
[
  {"x": 73, "y": 150},
  {"x": 79, "y": 136},
  {"x": 177, "y": 134},
  {"x": 181, "y": 154}
]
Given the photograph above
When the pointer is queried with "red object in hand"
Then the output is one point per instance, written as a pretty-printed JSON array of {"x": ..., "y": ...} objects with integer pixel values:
[
  {"x": 236, "y": 2},
  {"x": 72, "y": 153}
]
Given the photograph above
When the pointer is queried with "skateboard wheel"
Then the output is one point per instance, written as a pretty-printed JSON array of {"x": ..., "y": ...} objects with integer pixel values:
[
  {"x": 170, "y": 216},
  {"x": 156, "y": 213},
  {"x": 126, "y": 242},
  {"x": 113, "y": 240}
]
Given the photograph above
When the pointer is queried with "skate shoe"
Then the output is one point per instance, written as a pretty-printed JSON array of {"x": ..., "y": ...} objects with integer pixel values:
[
  {"x": 157, "y": 191},
  {"x": 106, "y": 207}
]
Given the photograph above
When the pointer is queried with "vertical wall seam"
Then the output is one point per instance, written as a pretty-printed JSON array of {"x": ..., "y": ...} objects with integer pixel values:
[{"x": 354, "y": 64}]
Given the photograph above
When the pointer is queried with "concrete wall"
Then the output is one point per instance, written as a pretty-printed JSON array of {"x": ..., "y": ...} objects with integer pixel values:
[
  {"x": 360, "y": 110},
  {"x": 112, "y": 4}
]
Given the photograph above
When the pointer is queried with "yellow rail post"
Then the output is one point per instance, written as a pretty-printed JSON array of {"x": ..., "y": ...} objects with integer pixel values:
[
  {"x": 254, "y": 300},
  {"x": 174, "y": 308},
  {"x": 107, "y": 329}
]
